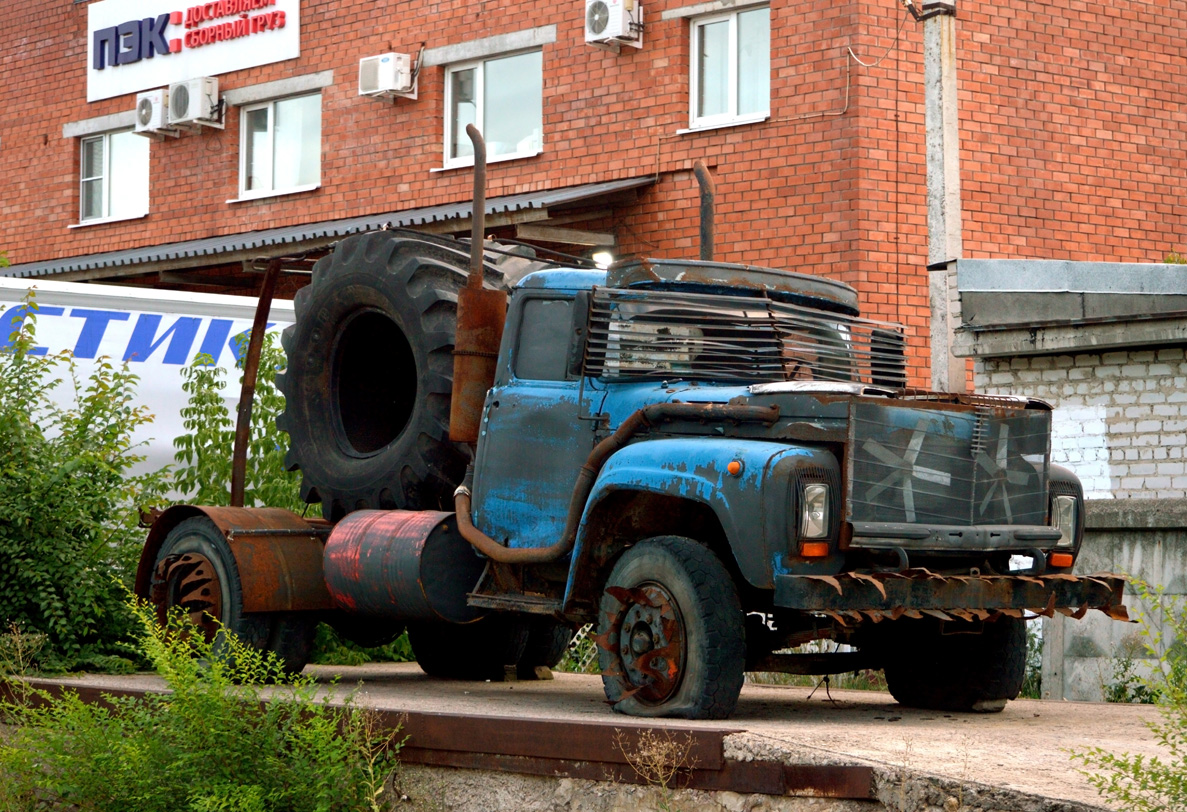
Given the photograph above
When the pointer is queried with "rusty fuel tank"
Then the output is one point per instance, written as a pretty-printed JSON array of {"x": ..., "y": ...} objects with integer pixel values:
[{"x": 402, "y": 564}]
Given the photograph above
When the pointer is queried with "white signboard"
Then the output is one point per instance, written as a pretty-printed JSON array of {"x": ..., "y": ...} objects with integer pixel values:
[
  {"x": 155, "y": 332},
  {"x": 135, "y": 45}
]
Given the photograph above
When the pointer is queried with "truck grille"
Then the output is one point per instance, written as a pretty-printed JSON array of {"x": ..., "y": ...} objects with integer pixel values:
[
  {"x": 655, "y": 334},
  {"x": 948, "y": 464}
]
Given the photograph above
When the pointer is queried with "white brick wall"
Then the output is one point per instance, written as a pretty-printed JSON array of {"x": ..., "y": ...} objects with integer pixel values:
[{"x": 1120, "y": 418}]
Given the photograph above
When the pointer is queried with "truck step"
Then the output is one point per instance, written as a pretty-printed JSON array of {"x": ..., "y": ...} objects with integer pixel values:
[{"x": 530, "y": 604}]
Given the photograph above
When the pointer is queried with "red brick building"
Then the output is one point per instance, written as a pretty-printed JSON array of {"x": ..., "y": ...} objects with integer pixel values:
[{"x": 809, "y": 115}]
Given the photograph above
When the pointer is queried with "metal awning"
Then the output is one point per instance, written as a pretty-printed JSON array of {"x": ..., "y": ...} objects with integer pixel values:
[{"x": 525, "y": 207}]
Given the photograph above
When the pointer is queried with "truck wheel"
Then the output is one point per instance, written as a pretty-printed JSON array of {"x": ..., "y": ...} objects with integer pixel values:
[
  {"x": 195, "y": 571},
  {"x": 955, "y": 667},
  {"x": 670, "y": 632},
  {"x": 473, "y": 651},
  {"x": 547, "y": 642},
  {"x": 370, "y": 370}
]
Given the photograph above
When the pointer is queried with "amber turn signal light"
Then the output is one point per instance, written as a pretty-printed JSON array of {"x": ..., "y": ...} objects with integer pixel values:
[
  {"x": 1060, "y": 561},
  {"x": 814, "y": 549}
]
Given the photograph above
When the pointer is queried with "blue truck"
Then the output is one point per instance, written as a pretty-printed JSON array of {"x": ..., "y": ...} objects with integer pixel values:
[{"x": 712, "y": 464}]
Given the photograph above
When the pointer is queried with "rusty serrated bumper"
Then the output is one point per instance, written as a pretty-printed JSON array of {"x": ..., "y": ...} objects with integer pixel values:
[{"x": 914, "y": 593}]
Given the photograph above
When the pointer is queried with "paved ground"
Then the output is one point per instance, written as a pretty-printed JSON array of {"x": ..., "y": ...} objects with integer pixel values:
[{"x": 1024, "y": 748}]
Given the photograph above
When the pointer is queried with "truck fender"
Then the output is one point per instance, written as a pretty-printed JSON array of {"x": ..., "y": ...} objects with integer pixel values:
[
  {"x": 278, "y": 555},
  {"x": 693, "y": 472}
]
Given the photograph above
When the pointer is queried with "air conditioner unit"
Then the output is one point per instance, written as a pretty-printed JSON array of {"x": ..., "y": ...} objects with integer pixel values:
[
  {"x": 610, "y": 23},
  {"x": 151, "y": 113},
  {"x": 387, "y": 75},
  {"x": 194, "y": 103}
]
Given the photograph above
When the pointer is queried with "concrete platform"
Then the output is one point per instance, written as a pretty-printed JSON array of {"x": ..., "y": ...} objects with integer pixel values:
[{"x": 782, "y": 741}]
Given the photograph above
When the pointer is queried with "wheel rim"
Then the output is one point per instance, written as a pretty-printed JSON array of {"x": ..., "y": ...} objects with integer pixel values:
[
  {"x": 648, "y": 634},
  {"x": 189, "y": 581}
]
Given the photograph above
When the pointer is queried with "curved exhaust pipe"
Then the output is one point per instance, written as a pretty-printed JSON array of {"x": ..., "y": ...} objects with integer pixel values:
[{"x": 481, "y": 313}]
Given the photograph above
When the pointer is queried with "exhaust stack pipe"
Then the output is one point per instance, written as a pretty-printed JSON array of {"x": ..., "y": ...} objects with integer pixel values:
[
  {"x": 481, "y": 313},
  {"x": 708, "y": 197}
]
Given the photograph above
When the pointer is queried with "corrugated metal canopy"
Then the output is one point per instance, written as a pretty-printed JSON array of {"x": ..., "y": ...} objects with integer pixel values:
[{"x": 225, "y": 248}]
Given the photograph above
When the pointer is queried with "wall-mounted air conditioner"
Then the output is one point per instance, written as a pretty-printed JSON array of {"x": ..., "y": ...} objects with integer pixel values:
[
  {"x": 152, "y": 113},
  {"x": 611, "y": 23},
  {"x": 195, "y": 103},
  {"x": 387, "y": 76}
]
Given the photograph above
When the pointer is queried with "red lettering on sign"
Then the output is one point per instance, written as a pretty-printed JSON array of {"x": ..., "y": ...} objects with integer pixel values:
[{"x": 174, "y": 46}]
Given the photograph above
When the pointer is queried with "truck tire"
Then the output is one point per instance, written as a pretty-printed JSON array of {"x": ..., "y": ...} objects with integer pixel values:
[
  {"x": 953, "y": 667},
  {"x": 195, "y": 570},
  {"x": 482, "y": 650},
  {"x": 547, "y": 642},
  {"x": 370, "y": 371},
  {"x": 671, "y": 632}
]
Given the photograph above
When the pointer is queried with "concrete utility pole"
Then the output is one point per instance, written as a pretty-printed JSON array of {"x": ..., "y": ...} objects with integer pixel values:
[{"x": 943, "y": 186}]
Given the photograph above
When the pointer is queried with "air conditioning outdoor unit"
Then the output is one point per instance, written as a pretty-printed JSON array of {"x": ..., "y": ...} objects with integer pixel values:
[
  {"x": 194, "y": 103},
  {"x": 611, "y": 23},
  {"x": 151, "y": 113},
  {"x": 387, "y": 75}
]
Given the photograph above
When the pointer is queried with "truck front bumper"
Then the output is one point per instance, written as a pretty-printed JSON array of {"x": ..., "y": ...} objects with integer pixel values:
[{"x": 914, "y": 593}]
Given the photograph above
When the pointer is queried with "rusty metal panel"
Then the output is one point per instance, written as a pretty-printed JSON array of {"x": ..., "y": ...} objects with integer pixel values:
[
  {"x": 894, "y": 594},
  {"x": 947, "y": 463},
  {"x": 278, "y": 555}
]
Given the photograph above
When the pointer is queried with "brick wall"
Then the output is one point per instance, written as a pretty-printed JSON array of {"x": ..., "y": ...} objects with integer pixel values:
[
  {"x": 1121, "y": 417},
  {"x": 1072, "y": 136}
]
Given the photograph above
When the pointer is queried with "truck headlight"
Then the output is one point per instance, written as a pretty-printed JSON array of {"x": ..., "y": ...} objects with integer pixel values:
[
  {"x": 814, "y": 512},
  {"x": 1063, "y": 516}
]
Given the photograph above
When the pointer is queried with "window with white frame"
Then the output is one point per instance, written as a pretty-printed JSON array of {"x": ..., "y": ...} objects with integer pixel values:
[
  {"x": 113, "y": 177},
  {"x": 503, "y": 97},
  {"x": 731, "y": 67},
  {"x": 280, "y": 150}
]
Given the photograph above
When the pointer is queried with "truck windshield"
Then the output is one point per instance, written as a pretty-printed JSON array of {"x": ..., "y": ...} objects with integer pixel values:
[{"x": 678, "y": 335}]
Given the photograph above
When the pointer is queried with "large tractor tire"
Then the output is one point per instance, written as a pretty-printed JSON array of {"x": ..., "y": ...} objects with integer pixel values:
[
  {"x": 196, "y": 572},
  {"x": 957, "y": 665},
  {"x": 370, "y": 371},
  {"x": 671, "y": 635}
]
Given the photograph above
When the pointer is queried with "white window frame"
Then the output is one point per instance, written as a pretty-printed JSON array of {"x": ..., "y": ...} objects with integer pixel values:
[
  {"x": 730, "y": 117},
  {"x": 107, "y": 178},
  {"x": 271, "y": 190},
  {"x": 479, "y": 66}
]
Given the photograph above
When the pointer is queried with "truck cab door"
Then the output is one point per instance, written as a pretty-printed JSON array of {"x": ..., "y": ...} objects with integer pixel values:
[{"x": 536, "y": 430}]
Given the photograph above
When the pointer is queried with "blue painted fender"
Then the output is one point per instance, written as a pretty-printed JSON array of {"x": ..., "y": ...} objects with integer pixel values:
[{"x": 751, "y": 506}]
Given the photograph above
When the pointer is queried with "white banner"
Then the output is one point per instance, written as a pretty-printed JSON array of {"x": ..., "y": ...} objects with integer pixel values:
[{"x": 135, "y": 45}]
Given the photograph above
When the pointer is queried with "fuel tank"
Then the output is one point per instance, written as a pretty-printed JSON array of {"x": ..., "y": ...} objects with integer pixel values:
[{"x": 402, "y": 565}]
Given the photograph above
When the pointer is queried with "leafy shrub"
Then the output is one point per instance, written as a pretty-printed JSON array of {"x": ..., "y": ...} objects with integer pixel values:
[
  {"x": 1147, "y": 784},
  {"x": 217, "y": 743},
  {"x": 203, "y": 472},
  {"x": 68, "y": 502}
]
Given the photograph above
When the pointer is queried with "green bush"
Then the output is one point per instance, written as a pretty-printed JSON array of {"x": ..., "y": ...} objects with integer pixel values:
[
  {"x": 68, "y": 500},
  {"x": 203, "y": 471},
  {"x": 216, "y": 743},
  {"x": 1135, "y": 782}
]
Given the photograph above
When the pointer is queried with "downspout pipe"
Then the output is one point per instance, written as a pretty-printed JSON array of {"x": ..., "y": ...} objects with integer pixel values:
[
  {"x": 640, "y": 420},
  {"x": 708, "y": 199}
]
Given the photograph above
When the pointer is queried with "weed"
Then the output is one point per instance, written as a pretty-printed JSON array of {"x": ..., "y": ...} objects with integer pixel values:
[
  {"x": 1136, "y": 782},
  {"x": 660, "y": 759},
  {"x": 218, "y": 742}
]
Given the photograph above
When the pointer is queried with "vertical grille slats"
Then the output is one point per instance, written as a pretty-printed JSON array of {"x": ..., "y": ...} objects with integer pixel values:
[{"x": 701, "y": 336}]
